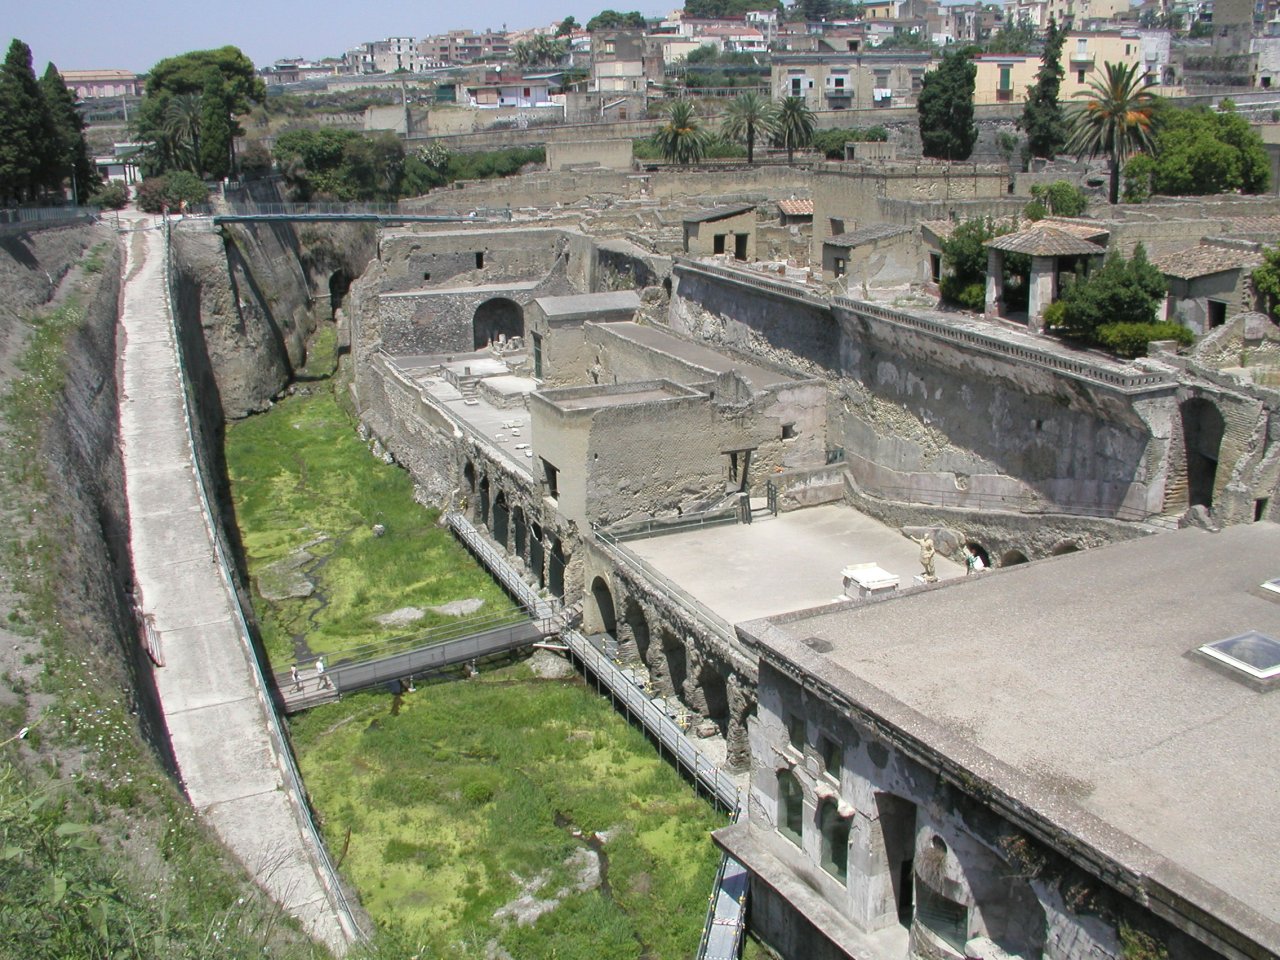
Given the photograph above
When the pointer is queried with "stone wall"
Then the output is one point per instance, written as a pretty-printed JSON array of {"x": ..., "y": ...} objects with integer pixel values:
[{"x": 612, "y": 154}]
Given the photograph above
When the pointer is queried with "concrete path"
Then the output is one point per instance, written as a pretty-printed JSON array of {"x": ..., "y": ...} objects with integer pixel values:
[{"x": 216, "y": 711}]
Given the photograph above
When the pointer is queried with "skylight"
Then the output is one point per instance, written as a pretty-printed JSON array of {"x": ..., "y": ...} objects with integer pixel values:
[{"x": 1252, "y": 653}]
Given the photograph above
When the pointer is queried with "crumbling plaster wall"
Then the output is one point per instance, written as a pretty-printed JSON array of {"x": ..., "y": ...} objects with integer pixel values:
[{"x": 448, "y": 258}]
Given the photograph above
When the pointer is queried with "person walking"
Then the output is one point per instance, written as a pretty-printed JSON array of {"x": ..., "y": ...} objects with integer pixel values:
[
  {"x": 322, "y": 680},
  {"x": 296, "y": 678}
]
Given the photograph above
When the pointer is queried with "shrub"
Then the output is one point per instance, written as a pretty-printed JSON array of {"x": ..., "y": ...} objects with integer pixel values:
[
  {"x": 1061, "y": 198},
  {"x": 171, "y": 189},
  {"x": 1131, "y": 339},
  {"x": 112, "y": 195},
  {"x": 1137, "y": 178},
  {"x": 255, "y": 160},
  {"x": 831, "y": 142},
  {"x": 1122, "y": 291}
]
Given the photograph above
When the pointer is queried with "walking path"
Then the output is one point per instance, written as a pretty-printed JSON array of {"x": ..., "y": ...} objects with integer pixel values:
[{"x": 233, "y": 762}]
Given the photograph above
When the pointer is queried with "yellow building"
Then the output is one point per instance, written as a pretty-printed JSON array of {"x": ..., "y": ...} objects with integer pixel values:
[{"x": 1004, "y": 78}]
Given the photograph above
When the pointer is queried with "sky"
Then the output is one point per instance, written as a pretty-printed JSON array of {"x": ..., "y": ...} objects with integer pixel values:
[{"x": 134, "y": 34}]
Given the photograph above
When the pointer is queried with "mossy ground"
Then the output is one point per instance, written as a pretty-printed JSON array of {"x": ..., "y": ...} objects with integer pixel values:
[
  {"x": 447, "y": 804},
  {"x": 302, "y": 478}
]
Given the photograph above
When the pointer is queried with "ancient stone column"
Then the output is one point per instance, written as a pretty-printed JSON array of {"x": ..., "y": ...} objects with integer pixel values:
[
  {"x": 1040, "y": 292},
  {"x": 995, "y": 282}
]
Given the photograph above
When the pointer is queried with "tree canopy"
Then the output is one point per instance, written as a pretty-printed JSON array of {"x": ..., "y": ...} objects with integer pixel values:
[
  {"x": 795, "y": 126},
  {"x": 682, "y": 139},
  {"x": 613, "y": 20},
  {"x": 69, "y": 157},
  {"x": 964, "y": 254},
  {"x": 1106, "y": 307},
  {"x": 945, "y": 106},
  {"x": 747, "y": 115},
  {"x": 1199, "y": 151},
  {"x": 1042, "y": 118},
  {"x": 1017, "y": 37},
  {"x": 711, "y": 9}
]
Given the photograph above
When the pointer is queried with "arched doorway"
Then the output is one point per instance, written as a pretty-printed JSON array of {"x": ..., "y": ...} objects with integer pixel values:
[
  {"x": 339, "y": 284},
  {"x": 605, "y": 611},
  {"x": 501, "y": 518},
  {"x": 716, "y": 691},
  {"x": 469, "y": 475},
  {"x": 979, "y": 551},
  {"x": 537, "y": 556},
  {"x": 1202, "y": 429},
  {"x": 555, "y": 573},
  {"x": 1012, "y": 558},
  {"x": 520, "y": 529},
  {"x": 482, "y": 508},
  {"x": 677, "y": 662},
  {"x": 494, "y": 318},
  {"x": 1063, "y": 547}
]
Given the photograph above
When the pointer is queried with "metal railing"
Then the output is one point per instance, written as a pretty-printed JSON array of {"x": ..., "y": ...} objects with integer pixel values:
[
  {"x": 695, "y": 608},
  {"x": 726, "y": 912},
  {"x": 283, "y": 749},
  {"x": 284, "y": 211},
  {"x": 664, "y": 729},
  {"x": 1025, "y": 503},
  {"x": 497, "y": 564},
  {"x": 657, "y": 526}
]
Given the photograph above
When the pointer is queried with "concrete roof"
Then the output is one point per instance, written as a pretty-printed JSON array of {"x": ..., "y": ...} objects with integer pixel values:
[
  {"x": 1067, "y": 685},
  {"x": 696, "y": 355},
  {"x": 1206, "y": 259},
  {"x": 878, "y": 231},
  {"x": 585, "y": 304},
  {"x": 720, "y": 213},
  {"x": 1044, "y": 240}
]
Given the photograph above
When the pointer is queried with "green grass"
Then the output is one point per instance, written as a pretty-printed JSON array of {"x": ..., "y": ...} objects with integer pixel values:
[
  {"x": 300, "y": 477},
  {"x": 445, "y": 806}
]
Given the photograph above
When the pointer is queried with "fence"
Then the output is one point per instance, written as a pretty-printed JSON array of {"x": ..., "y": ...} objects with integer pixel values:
[{"x": 15, "y": 220}]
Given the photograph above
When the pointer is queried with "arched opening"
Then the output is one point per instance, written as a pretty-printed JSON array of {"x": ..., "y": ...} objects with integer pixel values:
[
  {"x": 835, "y": 840},
  {"x": 897, "y": 841},
  {"x": 677, "y": 662},
  {"x": 1202, "y": 429},
  {"x": 1064, "y": 547},
  {"x": 1011, "y": 558},
  {"x": 339, "y": 284},
  {"x": 716, "y": 692},
  {"x": 637, "y": 629},
  {"x": 497, "y": 318},
  {"x": 537, "y": 555},
  {"x": 469, "y": 477},
  {"x": 979, "y": 551},
  {"x": 603, "y": 597},
  {"x": 520, "y": 528},
  {"x": 790, "y": 807},
  {"x": 482, "y": 508},
  {"x": 555, "y": 575},
  {"x": 501, "y": 518}
]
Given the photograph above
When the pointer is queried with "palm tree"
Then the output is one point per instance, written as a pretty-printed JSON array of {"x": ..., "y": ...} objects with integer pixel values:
[
  {"x": 747, "y": 115},
  {"x": 795, "y": 125},
  {"x": 682, "y": 139},
  {"x": 1116, "y": 120},
  {"x": 182, "y": 115}
]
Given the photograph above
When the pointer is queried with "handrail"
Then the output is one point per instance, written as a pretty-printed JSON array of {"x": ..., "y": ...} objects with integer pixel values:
[
  {"x": 698, "y": 610},
  {"x": 657, "y": 526},
  {"x": 537, "y": 607},
  {"x": 283, "y": 750},
  {"x": 666, "y": 730}
]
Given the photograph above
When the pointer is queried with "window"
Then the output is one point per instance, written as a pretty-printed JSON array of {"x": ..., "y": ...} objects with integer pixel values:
[
  {"x": 790, "y": 807},
  {"x": 717, "y": 244},
  {"x": 1217, "y": 313},
  {"x": 479, "y": 260},
  {"x": 552, "y": 476},
  {"x": 788, "y": 431},
  {"x": 1079, "y": 76},
  {"x": 537, "y": 356},
  {"x": 795, "y": 731},
  {"x": 1082, "y": 45},
  {"x": 839, "y": 267},
  {"x": 608, "y": 47},
  {"x": 946, "y": 918},
  {"x": 832, "y": 756},
  {"x": 837, "y": 225},
  {"x": 797, "y": 88},
  {"x": 526, "y": 91},
  {"x": 835, "y": 840}
]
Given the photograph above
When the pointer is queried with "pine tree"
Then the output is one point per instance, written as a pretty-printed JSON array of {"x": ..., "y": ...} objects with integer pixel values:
[
  {"x": 215, "y": 130},
  {"x": 25, "y": 146},
  {"x": 71, "y": 156},
  {"x": 945, "y": 105},
  {"x": 1042, "y": 118}
]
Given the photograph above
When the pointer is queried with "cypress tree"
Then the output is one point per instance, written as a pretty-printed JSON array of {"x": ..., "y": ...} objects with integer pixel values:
[
  {"x": 1042, "y": 118},
  {"x": 945, "y": 106},
  {"x": 25, "y": 146},
  {"x": 70, "y": 155}
]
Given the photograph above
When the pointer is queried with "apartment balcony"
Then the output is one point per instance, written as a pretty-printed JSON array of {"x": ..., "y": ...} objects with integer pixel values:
[{"x": 1082, "y": 61}]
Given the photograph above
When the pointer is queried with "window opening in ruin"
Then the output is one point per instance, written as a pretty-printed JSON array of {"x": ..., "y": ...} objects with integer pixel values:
[
  {"x": 979, "y": 551},
  {"x": 555, "y": 568},
  {"x": 1011, "y": 558},
  {"x": 837, "y": 226},
  {"x": 788, "y": 431},
  {"x": 495, "y": 319},
  {"x": 740, "y": 246},
  {"x": 552, "y": 477},
  {"x": 1260, "y": 508},
  {"x": 717, "y": 243},
  {"x": 832, "y": 756},
  {"x": 835, "y": 840},
  {"x": 1217, "y": 313},
  {"x": 946, "y": 918},
  {"x": 479, "y": 259},
  {"x": 603, "y": 598},
  {"x": 935, "y": 267},
  {"x": 897, "y": 835},
  {"x": 795, "y": 732},
  {"x": 839, "y": 267},
  {"x": 501, "y": 518},
  {"x": 790, "y": 807},
  {"x": 426, "y": 274},
  {"x": 537, "y": 356}
]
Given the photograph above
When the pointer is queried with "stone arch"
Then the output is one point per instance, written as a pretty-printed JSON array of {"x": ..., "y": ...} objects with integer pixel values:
[
  {"x": 606, "y": 613},
  {"x": 1011, "y": 558},
  {"x": 636, "y": 630},
  {"x": 673, "y": 655},
  {"x": 1202, "y": 429},
  {"x": 339, "y": 285},
  {"x": 978, "y": 550},
  {"x": 482, "y": 504},
  {"x": 715, "y": 691},
  {"x": 537, "y": 555},
  {"x": 520, "y": 531},
  {"x": 556, "y": 562},
  {"x": 501, "y": 518},
  {"x": 469, "y": 477},
  {"x": 834, "y": 830},
  {"x": 496, "y": 317},
  {"x": 1063, "y": 547}
]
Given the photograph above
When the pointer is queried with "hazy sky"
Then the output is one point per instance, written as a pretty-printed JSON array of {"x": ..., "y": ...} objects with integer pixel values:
[{"x": 134, "y": 34}]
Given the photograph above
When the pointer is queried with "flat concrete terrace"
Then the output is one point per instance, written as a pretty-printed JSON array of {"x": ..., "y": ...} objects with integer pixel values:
[
  {"x": 507, "y": 429},
  {"x": 789, "y": 562},
  {"x": 1070, "y": 686},
  {"x": 217, "y": 713},
  {"x": 696, "y": 355},
  {"x": 479, "y": 288}
]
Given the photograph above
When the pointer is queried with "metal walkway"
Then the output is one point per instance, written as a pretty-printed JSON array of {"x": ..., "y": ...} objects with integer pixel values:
[{"x": 726, "y": 913}]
